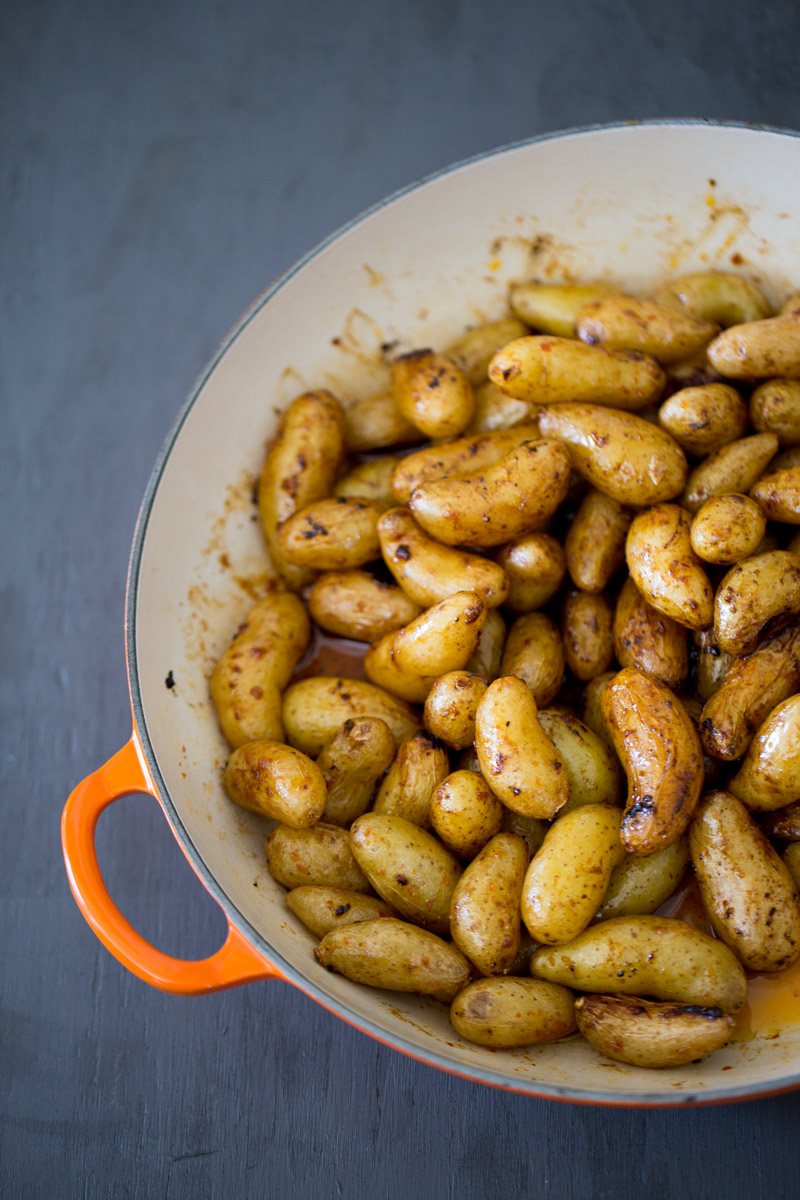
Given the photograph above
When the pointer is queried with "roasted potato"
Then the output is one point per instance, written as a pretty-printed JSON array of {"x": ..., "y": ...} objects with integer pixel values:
[
  {"x": 354, "y": 604},
  {"x": 429, "y": 572},
  {"x": 313, "y": 709},
  {"x": 665, "y": 568},
  {"x": 504, "y": 1012},
  {"x": 465, "y": 813},
  {"x": 418, "y": 769},
  {"x": 624, "y": 323},
  {"x": 485, "y": 908},
  {"x": 396, "y": 956},
  {"x": 648, "y": 1034},
  {"x": 551, "y": 370},
  {"x": 705, "y": 418},
  {"x": 351, "y": 763}
]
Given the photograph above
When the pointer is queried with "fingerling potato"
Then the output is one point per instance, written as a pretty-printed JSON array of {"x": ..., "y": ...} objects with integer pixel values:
[
  {"x": 485, "y": 908},
  {"x": 370, "y": 480},
  {"x": 783, "y": 823},
  {"x": 642, "y": 882},
  {"x": 593, "y": 768},
  {"x": 595, "y": 541},
  {"x": 488, "y": 654},
  {"x": 756, "y": 598},
  {"x": 319, "y": 856},
  {"x": 625, "y": 323},
  {"x": 495, "y": 412},
  {"x": 474, "y": 350},
  {"x": 333, "y": 534},
  {"x": 535, "y": 567},
  {"x": 644, "y": 1033},
  {"x": 554, "y": 307},
  {"x": 727, "y": 528},
  {"x": 665, "y": 568},
  {"x": 464, "y": 456},
  {"x": 503, "y": 1012},
  {"x": 551, "y": 370},
  {"x": 778, "y": 495},
  {"x": 313, "y": 709},
  {"x": 704, "y": 419},
  {"x": 354, "y": 604},
  {"x": 396, "y": 956},
  {"x": 648, "y": 640},
  {"x": 351, "y": 763},
  {"x": 322, "y": 909},
  {"x": 450, "y": 708},
  {"x": 769, "y": 777},
  {"x": 412, "y": 779},
  {"x": 433, "y": 393},
  {"x": 733, "y": 468},
  {"x": 375, "y": 423},
  {"x": 274, "y": 780},
  {"x": 465, "y": 813},
  {"x": 761, "y": 349},
  {"x": 716, "y": 296},
  {"x": 586, "y": 632},
  {"x": 775, "y": 408},
  {"x": 429, "y": 572},
  {"x": 533, "y": 652}
]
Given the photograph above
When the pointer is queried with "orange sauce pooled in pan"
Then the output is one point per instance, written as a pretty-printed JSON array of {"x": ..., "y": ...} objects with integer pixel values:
[{"x": 328, "y": 655}]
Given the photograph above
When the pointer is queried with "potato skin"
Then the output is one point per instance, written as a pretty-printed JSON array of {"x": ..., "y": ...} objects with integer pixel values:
[
  {"x": 394, "y": 955},
  {"x": 335, "y": 534},
  {"x": 703, "y": 419},
  {"x": 750, "y": 690},
  {"x": 595, "y": 541},
  {"x": 769, "y": 777},
  {"x": 593, "y": 769},
  {"x": 353, "y": 604},
  {"x": 778, "y": 495},
  {"x": 300, "y": 467},
  {"x": 727, "y": 528},
  {"x": 756, "y": 598},
  {"x": 375, "y": 423},
  {"x": 474, "y": 350},
  {"x": 464, "y": 456},
  {"x": 660, "y": 751},
  {"x": 407, "y": 867},
  {"x": 764, "y": 349},
  {"x": 551, "y": 370},
  {"x": 322, "y": 909},
  {"x": 433, "y": 393},
  {"x": 450, "y": 708},
  {"x": 568, "y": 875},
  {"x": 791, "y": 858},
  {"x": 648, "y": 641},
  {"x": 370, "y": 480},
  {"x": 666, "y": 569},
  {"x": 555, "y": 307},
  {"x": 619, "y": 453},
  {"x": 351, "y": 763},
  {"x": 429, "y": 572},
  {"x": 533, "y": 652},
  {"x": 775, "y": 408},
  {"x": 783, "y": 823},
  {"x": 504, "y": 1012},
  {"x": 717, "y": 296},
  {"x": 517, "y": 759},
  {"x": 407, "y": 791},
  {"x": 248, "y": 677},
  {"x": 274, "y": 780},
  {"x": 320, "y": 856},
  {"x": 733, "y": 468},
  {"x": 496, "y": 412},
  {"x": 313, "y": 709},
  {"x": 642, "y": 882},
  {"x": 625, "y": 323},
  {"x": 488, "y": 654},
  {"x": 586, "y": 631},
  {"x": 484, "y": 910},
  {"x": 592, "y": 711},
  {"x": 465, "y": 813},
  {"x": 535, "y": 567},
  {"x": 748, "y": 893},
  {"x": 507, "y": 500},
  {"x": 647, "y": 1034},
  {"x": 659, "y": 956}
]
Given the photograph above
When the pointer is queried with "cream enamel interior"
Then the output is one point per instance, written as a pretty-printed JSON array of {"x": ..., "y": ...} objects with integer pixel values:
[{"x": 632, "y": 204}]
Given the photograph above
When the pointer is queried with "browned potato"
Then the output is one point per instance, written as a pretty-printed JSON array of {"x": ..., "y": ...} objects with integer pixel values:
[
  {"x": 353, "y": 604},
  {"x": 333, "y": 534},
  {"x": 313, "y": 709},
  {"x": 247, "y": 680},
  {"x": 619, "y": 453},
  {"x": 749, "y": 691},
  {"x": 465, "y": 813},
  {"x": 442, "y": 639},
  {"x": 748, "y": 893},
  {"x": 756, "y": 598},
  {"x": 778, "y": 494},
  {"x": 791, "y": 303},
  {"x": 595, "y": 542},
  {"x": 783, "y": 823},
  {"x": 717, "y": 296},
  {"x": 665, "y": 568},
  {"x": 734, "y": 468},
  {"x": 762, "y": 349},
  {"x": 395, "y": 956},
  {"x": 711, "y": 664},
  {"x": 775, "y": 408},
  {"x": 586, "y": 631},
  {"x": 660, "y": 751},
  {"x": 649, "y": 641},
  {"x": 407, "y": 867},
  {"x": 474, "y": 350},
  {"x": 625, "y": 323},
  {"x": 533, "y": 830},
  {"x": 517, "y": 759},
  {"x": 455, "y": 459},
  {"x": 322, "y": 909},
  {"x": 567, "y": 877},
  {"x": 351, "y": 763},
  {"x": 769, "y": 777},
  {"x": 642, "y": 882},
  {"x": 450, "y": 708},
  {"x": 593, "y": 769},
  {"x": 551, "y": 370},
  {"x": 495, "y": 412},
  {"x": 412, "y": 779},
  {"x": 432, "y": 393},
  {"x": 370, "y": 480},
  {"x": 535, "y": 567},
  {"x": 513, "y": 497},
  {"x": 428, "y": 571},
  {"x": 727, "y": 528},
  {"x": 659, "y": 956},
  {"x": 704, "y": 419},
  {"x": 301, "y": 466},
  {"x": 484, "y": 910},
  {"x": 787, "y": 458},
  {"x": 488, "y": 654},
  {"x": 591, "y": 708},
  {"x": 274, "y": 780},
  {"x": 375, "y": 423},
  {"x": 504, "y": 1012},
  {"x": 646, "y": 1034},
  {"x": 533, "y": 652},
  {"x": 554, "y": 307},
  {"x": 320, "y": 856},
  {"x": 791, "y": 857}
]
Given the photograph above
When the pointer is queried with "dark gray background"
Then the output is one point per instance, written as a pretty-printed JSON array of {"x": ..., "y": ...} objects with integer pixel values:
[{"x": 161, "y": 163}]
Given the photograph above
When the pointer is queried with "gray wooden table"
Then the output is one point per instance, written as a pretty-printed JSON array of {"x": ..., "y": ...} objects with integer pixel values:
[{"x": 161, "y": 162}]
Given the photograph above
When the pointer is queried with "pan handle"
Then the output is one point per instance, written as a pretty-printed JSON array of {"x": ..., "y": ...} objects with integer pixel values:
[{"x": 235, "y": 962}]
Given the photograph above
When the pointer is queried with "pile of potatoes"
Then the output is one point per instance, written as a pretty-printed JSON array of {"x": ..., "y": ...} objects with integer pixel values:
[{"x": 594, "y": 518}]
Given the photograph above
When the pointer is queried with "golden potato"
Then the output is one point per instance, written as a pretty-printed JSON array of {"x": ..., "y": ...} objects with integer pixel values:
[
  {"x": 778, "y": 495},
  {"x": 274, "y": 780},
  {"x": 717, "y": 296},
  {"x": 775, "y": 408},
  {"x": 649, "y": 641},
  {"x": 474, "y": 350},
  {"x": 748, "y": 893},
  {"x": 370, "y": 480},
  {"x": 395, "y": 956},
  {"x": 429, "y": 572},
  {"x": 595, "y": 541},
  {"x": 734, "y": 468},
  {"x": 659, "y": 956},
  {"x": 313, "y": 709},
  {"x": 756, "y": 598},
  {"x": 322, "y": 909},
  {"x": 551, "y": 370},
  {"x": 465, "y": 813},
  {"x": 450, "y": 708},
  {"x": 769, "y": 777},
  {"x": 783, "y": 823},
  {"x": 351, "y": 763},
  {"x": 592, "y": 711},
  {"x": 412, "y": 779},
  {"x": 484, "y": 910},
  {"x": 488, "y": 654},
  {"x": 665, "y": 568},
  {"x": 513, "y": 497},
  {"x": 554, "y": 307},
  {"x": 354, "y": 604},
  {"x": 407, "y": 867},
  {"x": 495, "y": 412},
  {"x": 450, "y": 460},
  {"x": 532, "y": 829},
  {"x": 766, "y": 349},
  {"x": 660, "y": 751},
  {"x": 705, "y": 418},
  {"x": 791, "y": 857},
  {"x": 624, "y": 323},
  {"x": 517, "y": 759},
  {"x": 535, "y": 567},
  {"x": 727, "y": 528},
  {"x": 247, "y": 680},
  {"x": 642, "y": 882},
  {"x": 431, "y": 392},
  {"x": 711, "y": 664},
  {"x": 320, "y": 856},
  {"x": 593, "y": 769},
  {"x": 646, "y": 1034},
  {"x": 619, "y": 453},
  {"x": 332, "y": 535},
  {"x": 587, "y": 620},
  {"x": 375, "y": 423},
  {"x": 533, "y": 652},
  {"x": 504, "y": 1012}
]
